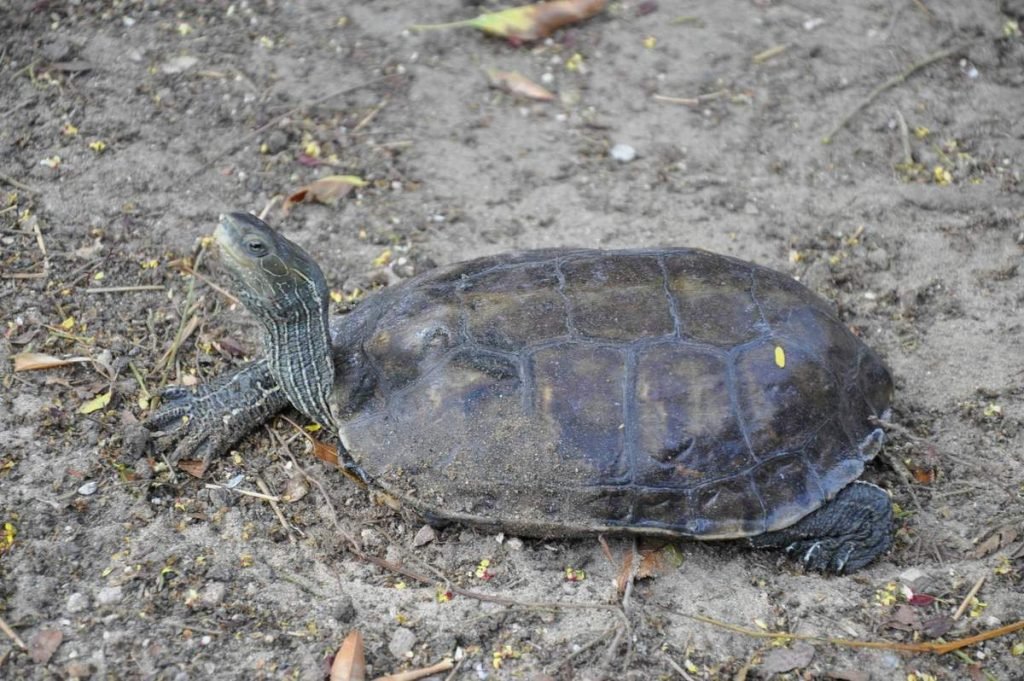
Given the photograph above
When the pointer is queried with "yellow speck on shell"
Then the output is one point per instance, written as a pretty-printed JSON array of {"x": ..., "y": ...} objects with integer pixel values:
[{"x": 780, "y": 357}]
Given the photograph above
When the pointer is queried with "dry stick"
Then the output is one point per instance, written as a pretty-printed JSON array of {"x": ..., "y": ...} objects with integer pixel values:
[
  {"x": 12, "y": 634},
  {"x": 368, "y": 118},
  {"x": 967, "y": 599},
  {"x": 692, "y": 101},
  {"x": 277, "y": 509},
  {"x": 908, "y": 158},
  {"x": 584, "y": 648},
  {"x": 18, "y": 185},
  {"x": 124, "y": 289},
  {"x": 244, "y": 492},
  {"x": 277, "y": 119},
  {"x": 672, "y": 663},
  {"x": 894, "y": 81},
  {"x": 937, "y": 648},
  {"x": 182, "y": 267},
  {"x": 455, "y": 670},
  {"x": 415, "y": 674}
]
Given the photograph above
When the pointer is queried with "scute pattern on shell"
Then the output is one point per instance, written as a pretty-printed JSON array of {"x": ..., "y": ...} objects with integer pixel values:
[{"x": 586, "y": 390}]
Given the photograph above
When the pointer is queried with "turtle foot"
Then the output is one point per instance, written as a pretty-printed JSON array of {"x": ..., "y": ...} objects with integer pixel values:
[
  {"x": 842, "y": 536},
  {"x": 195, "y": 425}
]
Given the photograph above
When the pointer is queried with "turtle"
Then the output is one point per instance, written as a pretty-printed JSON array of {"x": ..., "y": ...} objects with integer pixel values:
[{"x": 564, "y": 392}]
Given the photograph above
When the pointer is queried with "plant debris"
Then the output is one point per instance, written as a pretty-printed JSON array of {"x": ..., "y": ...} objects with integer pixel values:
[
  {"x": 516, "y": 83},
  {"x": 327, "y": 190},
  {"x": 529, "y": 22}
]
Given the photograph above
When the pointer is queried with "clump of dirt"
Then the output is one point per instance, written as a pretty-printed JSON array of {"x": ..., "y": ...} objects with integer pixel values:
[{"x": 127, "y": 127}]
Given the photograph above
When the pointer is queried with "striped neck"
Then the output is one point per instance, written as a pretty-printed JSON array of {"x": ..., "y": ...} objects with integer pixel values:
[{"x": 299, "y": 355}]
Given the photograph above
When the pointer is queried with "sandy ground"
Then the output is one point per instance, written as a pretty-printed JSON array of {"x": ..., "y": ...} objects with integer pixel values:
[{"x": 163, "y": 115}]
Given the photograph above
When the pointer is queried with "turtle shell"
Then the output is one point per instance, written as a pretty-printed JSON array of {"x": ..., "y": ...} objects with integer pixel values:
[{"x": 561, "y": 392}]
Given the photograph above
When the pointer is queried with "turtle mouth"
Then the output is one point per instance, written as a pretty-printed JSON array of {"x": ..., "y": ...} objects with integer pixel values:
[{"x": 226, "y": 237}]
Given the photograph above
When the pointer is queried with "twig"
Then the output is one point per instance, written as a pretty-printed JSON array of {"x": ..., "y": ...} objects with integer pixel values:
[
  {"x": 368, "y": 118},
  {"x": 277, "y": 119},
  {"x": 584, "y": 648},
  {"x": 23, "y": 275},
  {"x": 415, "y": 674},
  {"x": 967, "y": 599},
  {"x": 277, "y": 509},
  {"x": 244, "y": 492},
  {"x": 41, "y": 244},
  {"x": 679, "y": 670},
  {"x": 770, "y": 53},
  {"x": 894, "y": 81},
  {"x": 455, "y": 670},
  {"x": 124, "y": 289},
  {"x": 692, "y": 101},
  {"x": 354, "y": 545},
  {"x": 182, "y": 267},
  {"x": 18, "y": 185},
  {"x": 930, "y": 647},
  {"x": 11, "y": 634},
  {"x": 908, "y": 158}
]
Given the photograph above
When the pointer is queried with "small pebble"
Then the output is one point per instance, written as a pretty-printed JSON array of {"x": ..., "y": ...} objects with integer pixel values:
[
  {"x": 401, "y": 642},
  {"x": 89, "y": 488},
  {"x": 425, "y": 535},
  {"x": 178, "y": 64},
  {"x": 79, "y": 669},
  {"x": 623, "y": 153},
  {"x": 108, "y": 595},
  {"x": 77, "y": 602},
  {"x": 213, "y": 593}
]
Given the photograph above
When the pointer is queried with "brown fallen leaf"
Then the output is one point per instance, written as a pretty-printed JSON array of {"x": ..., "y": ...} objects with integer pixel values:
[
  {"x": 33, "y": 361},
  {"x": 999, "y": 538},
  {"x": 325, "y": 452},
  {"x": 326, "y": 190},
  {"x": 516, "y": 83},
  {"x": 781, "y": 660},
  {"x": 529, "y": 22},
  {"x": 350, "y": 662},
  {"x": 44, "y": 644},
  {"x": 193, "y": 467}
]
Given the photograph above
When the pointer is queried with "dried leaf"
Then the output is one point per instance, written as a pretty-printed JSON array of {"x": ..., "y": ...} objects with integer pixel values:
[
  {"x": 32, "y": 361},
  {"x": 921, "y": 599},
  {"x": 780, "y": 660},
  {"x": 193, "y": 467},
  {"x": 325, "y": 190},
  {"x": 516, "y": 83},
  {"x": 96, "y": 403},
  {"x": 44, "y": 644},
  {"x": 655, "y": 562},
  {"x": 350, "y": 662},
  {"x": 923, "y": 475},
  {"x": 625, "y": 574},
  {"x": 325, "y": 452},
  {"x": 999, "y": 538},
  {"x": 905, "y": 619},
  {"x": 937, "y": 626},
  {"x": 529, "y": 22}
]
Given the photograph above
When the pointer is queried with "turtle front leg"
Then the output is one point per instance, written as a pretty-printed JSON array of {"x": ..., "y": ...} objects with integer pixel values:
[
  {"x": 208, "y": 419},
  {"x": 842, "y": 536}
]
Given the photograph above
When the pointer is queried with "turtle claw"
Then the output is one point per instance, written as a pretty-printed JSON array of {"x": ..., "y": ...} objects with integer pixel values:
[{"x": 195, "y": 425}]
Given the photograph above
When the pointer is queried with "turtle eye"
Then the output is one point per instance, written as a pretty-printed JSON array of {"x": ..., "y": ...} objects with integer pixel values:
[{"x": 256, "y": 247}]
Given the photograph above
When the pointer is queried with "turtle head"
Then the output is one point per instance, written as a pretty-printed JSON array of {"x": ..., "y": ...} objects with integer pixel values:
[{"x": 275, "y": 278}]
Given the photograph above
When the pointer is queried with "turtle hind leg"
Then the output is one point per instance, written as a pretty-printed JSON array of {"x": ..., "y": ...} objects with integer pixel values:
[{"x": 842, "y": 536}]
